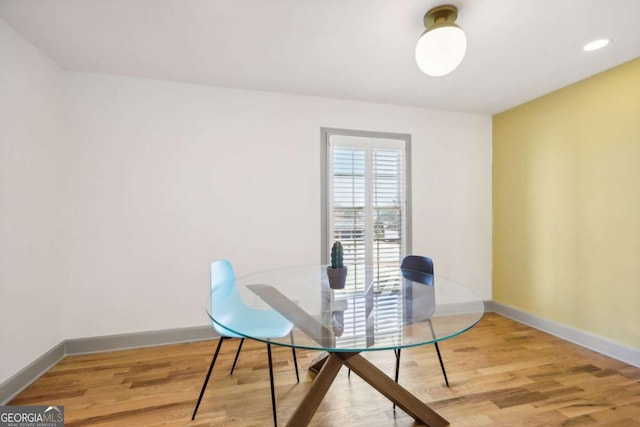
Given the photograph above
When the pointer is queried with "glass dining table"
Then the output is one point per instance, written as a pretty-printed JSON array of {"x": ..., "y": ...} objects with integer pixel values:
[{"x": 380, "y": 308}]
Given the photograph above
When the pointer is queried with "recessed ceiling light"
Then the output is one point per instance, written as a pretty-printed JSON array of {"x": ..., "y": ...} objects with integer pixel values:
[{"x": 595, "y": 45}]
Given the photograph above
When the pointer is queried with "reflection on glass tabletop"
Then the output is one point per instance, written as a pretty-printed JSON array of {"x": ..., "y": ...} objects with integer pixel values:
[{"x": 379, "y": 308}]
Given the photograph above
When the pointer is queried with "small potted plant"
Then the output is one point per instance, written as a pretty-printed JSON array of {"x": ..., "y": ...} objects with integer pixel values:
[{"x": 337, "y": 272}]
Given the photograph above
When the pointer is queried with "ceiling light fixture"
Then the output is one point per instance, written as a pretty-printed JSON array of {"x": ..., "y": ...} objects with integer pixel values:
[
  {"x": 595, "y": 45},
  {"x": 443, "y": 44}
]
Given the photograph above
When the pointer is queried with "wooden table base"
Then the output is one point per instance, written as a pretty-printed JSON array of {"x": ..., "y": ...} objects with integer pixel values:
[
  {"x": 372, "y": 375},
  {"x": 330, "y": 365}
]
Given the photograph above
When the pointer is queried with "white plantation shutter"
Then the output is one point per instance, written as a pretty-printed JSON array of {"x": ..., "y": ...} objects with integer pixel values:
[{"x": 366, "y": 210}]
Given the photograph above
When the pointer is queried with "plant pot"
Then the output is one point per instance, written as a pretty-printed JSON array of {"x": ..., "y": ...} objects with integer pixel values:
[{"x": 337, "y": 277}]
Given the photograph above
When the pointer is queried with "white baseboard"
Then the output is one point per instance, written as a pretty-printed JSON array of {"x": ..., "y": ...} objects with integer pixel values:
[{"x": 585, "y": 339}]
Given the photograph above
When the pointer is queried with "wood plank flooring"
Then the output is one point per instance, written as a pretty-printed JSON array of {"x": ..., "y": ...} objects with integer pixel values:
[{"x": 502, "y": 373}]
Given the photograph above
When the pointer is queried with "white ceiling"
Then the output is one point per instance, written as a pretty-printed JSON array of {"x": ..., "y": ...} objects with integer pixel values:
[{"x": 349, "y": 49}]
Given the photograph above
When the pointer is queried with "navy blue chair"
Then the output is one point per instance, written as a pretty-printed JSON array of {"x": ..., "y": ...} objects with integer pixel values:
[{"x": 421, "y": 264}]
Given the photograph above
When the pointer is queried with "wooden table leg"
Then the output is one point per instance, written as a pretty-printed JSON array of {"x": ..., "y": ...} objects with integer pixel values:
[
  {"x": 303, "y": 414},
  {"x": 392, "y": 390},
  {"x": 318, "y": 361},
  {"x": 374, "y": 377}
]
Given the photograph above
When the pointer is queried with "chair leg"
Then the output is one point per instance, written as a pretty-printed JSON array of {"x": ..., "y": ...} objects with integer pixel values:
[
  {"x": 397, "y": 352},
  {"x": 433, "y": 334},
  {"x": 295, "y": 359},
  {"x": 273, "y": 391},
  {"x": 236, "y": 358},
  {"x": 441, "y": 364},
  {"x": 206, "y": 380}
]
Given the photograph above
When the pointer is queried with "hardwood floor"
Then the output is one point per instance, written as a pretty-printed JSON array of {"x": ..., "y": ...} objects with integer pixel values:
[{"x": 502, "y": 373}]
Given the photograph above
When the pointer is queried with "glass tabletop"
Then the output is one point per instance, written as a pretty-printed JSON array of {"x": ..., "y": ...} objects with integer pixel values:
[{"x": 378, "y": 308}]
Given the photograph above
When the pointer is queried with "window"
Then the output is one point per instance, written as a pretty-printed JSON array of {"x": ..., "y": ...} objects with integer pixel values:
[
  {"x": 366, "y": 207},
  {"x": 365, "y": 203}
]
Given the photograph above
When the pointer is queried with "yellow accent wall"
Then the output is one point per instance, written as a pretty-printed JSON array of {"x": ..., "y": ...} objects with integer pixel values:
[{"x": 566, "y": 205}]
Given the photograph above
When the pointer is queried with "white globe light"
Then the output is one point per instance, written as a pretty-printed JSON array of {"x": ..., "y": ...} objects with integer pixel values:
[{"x": 441, "y": 49}]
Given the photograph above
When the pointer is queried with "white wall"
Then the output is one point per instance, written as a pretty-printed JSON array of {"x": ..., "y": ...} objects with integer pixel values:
[
  {"x": 169, "y": 176},
  {"x": 33, "y": 248}
]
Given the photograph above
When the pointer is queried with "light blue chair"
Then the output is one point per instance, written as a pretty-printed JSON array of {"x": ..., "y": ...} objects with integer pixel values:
[{"x": 228, "y": 308}]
